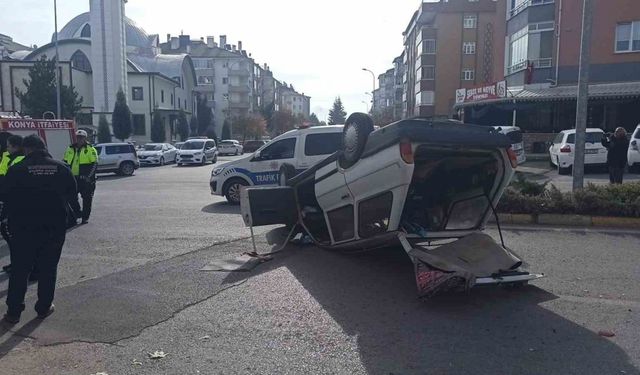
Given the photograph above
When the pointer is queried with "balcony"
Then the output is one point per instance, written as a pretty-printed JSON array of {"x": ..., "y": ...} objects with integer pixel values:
[
  {"x": 538, "y": 64},
  {"x": 240, "y": 104},
  {"x": 240, "y": 89},
  {"x": 527, "y": 3}
]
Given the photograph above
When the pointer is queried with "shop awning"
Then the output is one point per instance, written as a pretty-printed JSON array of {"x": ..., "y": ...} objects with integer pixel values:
[{"x": 618, "y": 90}]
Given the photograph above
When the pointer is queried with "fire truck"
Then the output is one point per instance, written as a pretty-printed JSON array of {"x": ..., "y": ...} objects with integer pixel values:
[{"x": 57, "y": 134}]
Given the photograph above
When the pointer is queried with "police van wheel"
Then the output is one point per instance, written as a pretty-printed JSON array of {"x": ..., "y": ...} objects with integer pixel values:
[
  {"x": 204, "y": 160},
  {"x": 126, "y": 169},
  {"x": 162, "y": 161},
  {"x": 232, "y": 189},
  {"x": 354, "y": 138}
]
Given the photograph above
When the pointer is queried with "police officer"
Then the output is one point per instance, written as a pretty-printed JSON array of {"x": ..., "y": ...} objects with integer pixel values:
[
  {"x": 12, "y": 157},
  {"x": 37, "y": 190},
  {"x": 83, "y": 160}
]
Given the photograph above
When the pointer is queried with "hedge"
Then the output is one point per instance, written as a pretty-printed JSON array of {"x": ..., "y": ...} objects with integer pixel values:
[{"x": 527, "y": 197}]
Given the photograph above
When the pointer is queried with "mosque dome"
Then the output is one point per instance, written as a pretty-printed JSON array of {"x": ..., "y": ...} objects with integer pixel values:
[{"x": 80, "y": 27}]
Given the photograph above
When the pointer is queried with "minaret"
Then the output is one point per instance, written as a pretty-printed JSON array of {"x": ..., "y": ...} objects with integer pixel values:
[{"x": 108, "y": 52}]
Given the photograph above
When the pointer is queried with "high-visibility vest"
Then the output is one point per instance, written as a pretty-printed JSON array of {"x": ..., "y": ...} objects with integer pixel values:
[
  {"x": 78, "y": 157},
  {"x": 6, "y": 162}
]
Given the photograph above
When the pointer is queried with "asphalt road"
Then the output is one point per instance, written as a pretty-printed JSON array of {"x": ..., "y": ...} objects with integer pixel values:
[{"x": 130, "y": 284}]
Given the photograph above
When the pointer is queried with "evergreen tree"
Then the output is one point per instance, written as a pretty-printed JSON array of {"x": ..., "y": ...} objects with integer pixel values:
[
  {"x": 337, "y": 115},
  {"x": 158, "y": 134},
  {"x": 121, "y": 118},
  {"x": 104, "y": 133},
  {"x": 313, "y": 119},
  {"x": 183, "y": 127},
  {"x": 40, "y": 94},
  {"x": 205, "y": 116}
]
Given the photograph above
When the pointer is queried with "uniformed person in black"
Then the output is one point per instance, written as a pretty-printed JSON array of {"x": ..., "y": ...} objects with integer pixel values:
[{"x": 37, "y": 190}]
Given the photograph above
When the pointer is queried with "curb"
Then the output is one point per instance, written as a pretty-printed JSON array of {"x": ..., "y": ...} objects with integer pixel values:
[{"x": 569, "y": 220}]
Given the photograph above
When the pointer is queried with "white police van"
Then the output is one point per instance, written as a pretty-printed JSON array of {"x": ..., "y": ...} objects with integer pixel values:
[{"x": 283, "y": 157}]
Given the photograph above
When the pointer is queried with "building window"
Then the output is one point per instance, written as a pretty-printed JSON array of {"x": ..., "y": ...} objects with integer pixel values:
[
  {"x": 205, "y": 80},
  {"x": 628, "y": 37},
  {"x": 86, "y": 31},
  {"x": 427, "y": 46},
  {"x": 162, "y": 96},
  {"x": 202, "y": 63},
  {"x": 425, "y": 98},
  {"x": 469, "y": 48},
  {"x": 225, "y": 81},
  {"x": 426, "y": 73},
  {"x": 139, "y": 126},
  {"x": 469, "y": 22},
  {"x": 209, "y": 96},
  {"x": 225, "y": 96},
  {"x": 80, "y": 62},
  {"x": 468, "y": 75},
  {"x": 137, "y": 93}
]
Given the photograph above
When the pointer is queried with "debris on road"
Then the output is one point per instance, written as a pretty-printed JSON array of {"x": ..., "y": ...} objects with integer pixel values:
[
  {"x": 605, "y": 333},
  {"x": 242, "y": 263},
  {"x": 158, "y": 354},
  {"x": 136, "y": 363},
  {"x": 207, "y": 337}
]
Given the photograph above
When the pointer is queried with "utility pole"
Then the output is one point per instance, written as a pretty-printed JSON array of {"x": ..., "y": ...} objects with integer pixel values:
[
  {"x": 583, "y": 96},
  {"x": 55, "y": 21}
]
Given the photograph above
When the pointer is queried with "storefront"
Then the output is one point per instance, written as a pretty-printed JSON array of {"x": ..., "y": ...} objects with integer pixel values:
[{"x": 544, "y": 111}]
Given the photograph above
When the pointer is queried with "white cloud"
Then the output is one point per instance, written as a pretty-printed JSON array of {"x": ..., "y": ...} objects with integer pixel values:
[{"x": 318, "y": 46}]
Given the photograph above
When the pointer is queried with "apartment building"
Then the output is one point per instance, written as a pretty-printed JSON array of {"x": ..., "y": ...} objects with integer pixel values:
[{"x": 448, "y": 45}]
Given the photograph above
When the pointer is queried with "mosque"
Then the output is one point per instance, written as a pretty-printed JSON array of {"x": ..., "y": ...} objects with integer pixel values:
[{"x": 100, "y": 52}]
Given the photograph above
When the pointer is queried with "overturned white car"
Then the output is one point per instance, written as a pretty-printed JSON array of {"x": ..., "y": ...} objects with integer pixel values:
[{"x": 428, "y": 185}]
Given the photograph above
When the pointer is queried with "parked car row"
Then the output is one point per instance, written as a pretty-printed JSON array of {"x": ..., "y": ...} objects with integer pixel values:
[{"x": 562, "y": 150}]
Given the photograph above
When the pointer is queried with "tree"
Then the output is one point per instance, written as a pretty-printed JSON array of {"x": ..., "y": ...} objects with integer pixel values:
[
  {"x": 282, "y": 121},
  {"x": 193, "y": 125},
  {"x": 337, "y": 115},
  {"x": 183, "y": 126},
  {"x": 40, "y": 94},
  {"x": 158, "y": 133},
  {"x": 267, "y": 113},
  {"x": 252, "y": 126},
  {"x": 104, "y": 133},
  {"x": 205, "y": 115},
  {"x": 226, "y": 129},
  {"x": 121, "y": 118},
  {"x": 313, "y": 119}
]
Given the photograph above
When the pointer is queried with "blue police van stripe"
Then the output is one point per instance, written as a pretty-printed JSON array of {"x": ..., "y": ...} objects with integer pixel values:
[{"x": 260, "y": 178}]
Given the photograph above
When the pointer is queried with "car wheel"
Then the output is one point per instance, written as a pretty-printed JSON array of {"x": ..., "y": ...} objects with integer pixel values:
[
  {"x": 162, "y": 160},
  {"x": 354, "y": 138},
  {"x": 204, "y": 160},
  {"x": 215, "y": 159},
  {"x": 232, "y": 189},
  {"x": 563, "y": 171},
  {"x": 287, "y": 171},
  {"x": 126, "y": 169}
]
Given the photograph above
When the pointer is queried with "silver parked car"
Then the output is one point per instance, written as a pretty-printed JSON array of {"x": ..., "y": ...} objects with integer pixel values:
[
  {"x": 157, "y": 154},
  {"x": 230, "y": 147},
  {"x": 119, "y": 158}
]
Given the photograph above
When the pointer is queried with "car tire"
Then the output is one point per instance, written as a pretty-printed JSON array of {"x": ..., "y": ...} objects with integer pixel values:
[
  {"x": 236, "y": 154},
  {"x": 231, "y": 190},
  {"x": 162, "y": 161},
  {"x": 564, "y": 171},
  {"x": 204, "y": 160},
  {"x": 287, "y": 171},
  {"x": 126, "y": 169},
  {"x": 215, "y": 159},
  {"x": 354, "y": 138}
]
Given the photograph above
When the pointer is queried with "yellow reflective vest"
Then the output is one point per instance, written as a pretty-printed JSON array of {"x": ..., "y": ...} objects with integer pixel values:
[
  {"x": 82, "y": 160},
  {"x": 7, "y": 162}
]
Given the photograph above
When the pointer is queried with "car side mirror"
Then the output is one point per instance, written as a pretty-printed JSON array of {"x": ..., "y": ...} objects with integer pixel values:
[{"x": 257, "y": 156}]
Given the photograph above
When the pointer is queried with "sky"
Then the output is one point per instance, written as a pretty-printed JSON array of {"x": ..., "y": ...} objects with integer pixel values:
[{"x": 319, "y": 46}]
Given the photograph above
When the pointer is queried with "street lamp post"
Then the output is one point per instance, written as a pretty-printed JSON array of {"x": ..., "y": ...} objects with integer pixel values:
[
  {"x": 373, "y": 87},
  {"x": 55, "y": 21}
]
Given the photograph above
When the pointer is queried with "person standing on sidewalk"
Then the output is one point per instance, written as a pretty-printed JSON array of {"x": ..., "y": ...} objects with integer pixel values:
[
  {"x": 37, "y": 190},
  {"x": 617, "y": 146},
  {"x": 13, "y": 157},
  {"x": 82, "y": 158}
]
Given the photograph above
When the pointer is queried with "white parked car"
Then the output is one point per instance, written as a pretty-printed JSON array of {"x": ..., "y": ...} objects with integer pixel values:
[
  {"x": 427, "y": 185},
  {"x": 515, "y": 135},
  {"x": 562, "y": 150},
  {"x": 634, "y": 151},
  {"x": 230, "y": 147},
  {"x": 285, "y": 155},
  {"x": 198, "y": 151},
  {"x": 157, "y": 154},
  {"x": 118, "y": 158}
]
